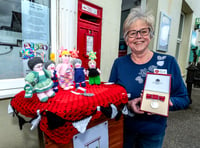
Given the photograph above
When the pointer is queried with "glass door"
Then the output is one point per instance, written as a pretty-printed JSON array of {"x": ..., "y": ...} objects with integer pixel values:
[{"x": 24, "y": 33}]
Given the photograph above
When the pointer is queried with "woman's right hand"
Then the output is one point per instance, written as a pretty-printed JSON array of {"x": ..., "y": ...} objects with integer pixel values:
[{"x": 134, "y": 105}]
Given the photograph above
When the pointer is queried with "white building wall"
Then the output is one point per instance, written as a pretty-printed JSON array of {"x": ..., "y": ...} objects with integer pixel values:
[
  {"x": 173, "y": 9},
  {"x": 110, "y": 34},
  {"x": 63, "y": 25}
]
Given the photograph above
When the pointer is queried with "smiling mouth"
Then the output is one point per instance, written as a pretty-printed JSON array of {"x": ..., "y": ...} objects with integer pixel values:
[{"x": 140, "y": 42}]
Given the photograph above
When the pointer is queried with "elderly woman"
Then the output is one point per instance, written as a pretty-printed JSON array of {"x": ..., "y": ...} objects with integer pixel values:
[{"x": 142, "y": 130}]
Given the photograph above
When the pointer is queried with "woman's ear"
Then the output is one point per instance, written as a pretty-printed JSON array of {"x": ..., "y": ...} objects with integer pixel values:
[
  {"x": 151, "y": 34},
  {"x": 126, "y": 43}
]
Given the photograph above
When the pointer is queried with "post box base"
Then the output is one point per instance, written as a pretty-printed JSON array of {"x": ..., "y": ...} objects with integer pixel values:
[{"x": 115, "y": 131}]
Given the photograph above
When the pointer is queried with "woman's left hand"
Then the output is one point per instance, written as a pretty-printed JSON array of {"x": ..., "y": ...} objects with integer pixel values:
[{"x": 134, "y": 105}]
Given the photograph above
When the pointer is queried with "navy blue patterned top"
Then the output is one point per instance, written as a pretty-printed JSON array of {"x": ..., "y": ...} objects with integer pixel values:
[{"x": 132, "y": 77}]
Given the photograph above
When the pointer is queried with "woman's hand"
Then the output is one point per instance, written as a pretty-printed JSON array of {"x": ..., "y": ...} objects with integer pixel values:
[
  {"x": 134, "y": 105},
  {"x": 170, "y": 103}
]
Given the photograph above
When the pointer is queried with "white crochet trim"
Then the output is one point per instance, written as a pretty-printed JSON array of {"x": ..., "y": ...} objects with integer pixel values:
[
  {"x": 10, "y": 109},
  {"x": 114, "y": 111},
  {"x": 82, "y": 124},
  {"x": 36, "y": 121},
  {"x": 98, "y": 108},
  {"x": 125, "y": 110}
]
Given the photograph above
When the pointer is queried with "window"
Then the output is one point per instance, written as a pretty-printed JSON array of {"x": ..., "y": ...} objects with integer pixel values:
[
  {"x": 22, "y": 23},
  {"x": 180, "y": 32}
]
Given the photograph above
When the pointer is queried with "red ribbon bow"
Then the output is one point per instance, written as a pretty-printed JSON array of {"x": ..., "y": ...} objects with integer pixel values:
[{"x": 156, "y": 97}]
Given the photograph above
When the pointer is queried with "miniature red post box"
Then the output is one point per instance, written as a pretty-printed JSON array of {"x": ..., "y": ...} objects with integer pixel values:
[{"x": 89, "y": 31}]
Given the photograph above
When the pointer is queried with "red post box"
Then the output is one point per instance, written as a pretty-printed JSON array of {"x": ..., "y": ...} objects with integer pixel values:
[{"x": 89, "y": 31}]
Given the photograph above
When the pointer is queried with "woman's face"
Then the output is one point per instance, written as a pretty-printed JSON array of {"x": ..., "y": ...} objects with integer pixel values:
[{"x": 137, "y": 41}]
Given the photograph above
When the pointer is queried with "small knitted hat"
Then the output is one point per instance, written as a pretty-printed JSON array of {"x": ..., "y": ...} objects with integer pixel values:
[
  {"x": 32, "y": 62},
  {"x": 46, "y": 64}
]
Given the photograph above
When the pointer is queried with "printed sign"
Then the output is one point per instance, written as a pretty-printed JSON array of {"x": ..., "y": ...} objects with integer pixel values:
[{"x": 95, "y": 137}]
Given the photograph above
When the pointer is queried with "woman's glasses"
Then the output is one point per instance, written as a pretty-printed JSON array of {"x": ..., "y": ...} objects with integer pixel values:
[{"x": 134, "y": 33}]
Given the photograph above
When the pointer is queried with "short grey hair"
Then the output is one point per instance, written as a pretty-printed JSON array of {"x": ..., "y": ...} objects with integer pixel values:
[
  {"x": 77, "y": 61},
  {"x": 135, "y": 14}
]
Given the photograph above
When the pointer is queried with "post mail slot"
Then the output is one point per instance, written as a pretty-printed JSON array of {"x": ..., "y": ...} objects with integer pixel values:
[{"x": 89, "y": 31}]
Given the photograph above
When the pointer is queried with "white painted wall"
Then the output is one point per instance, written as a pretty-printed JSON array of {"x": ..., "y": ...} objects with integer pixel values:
[
  {"x": 173, "y": 9},
  {"x": 63, "y": 25},
  {"x": 110, "y": 34}
]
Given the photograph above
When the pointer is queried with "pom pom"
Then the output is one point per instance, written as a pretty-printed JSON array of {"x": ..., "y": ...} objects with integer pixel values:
[{"x": 52, "y": 57}]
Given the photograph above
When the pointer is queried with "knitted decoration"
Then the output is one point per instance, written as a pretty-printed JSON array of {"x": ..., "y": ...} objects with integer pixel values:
[
  {"x": 74, "y": 53},
  {"x": 68, "y": 108},
  {"x": 82, "y": 124},
  {"x": 54, "y": 121},
  {"x": 79, "y": 74},
  {"x": 35, "y": 121},
  {"x": 92, "y": 55},
  {"x": 38, "y": 80},
  {"x": 65, "y": 70},
  {"x": 28, "y": 51},
  {"x": 52, "y": 57},
  {"x": 34, "y": 61},
  {"x": 28, "y": 91},
  {"x": 51, "y": 66},
  {"x": 93, "y": 73},
  {"x": 110, "y": 111}
]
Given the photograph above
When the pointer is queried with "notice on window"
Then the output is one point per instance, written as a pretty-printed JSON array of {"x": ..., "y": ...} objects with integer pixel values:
[
  {"x": 35, "y": 32},
  {"x": 35, "y": 21}
]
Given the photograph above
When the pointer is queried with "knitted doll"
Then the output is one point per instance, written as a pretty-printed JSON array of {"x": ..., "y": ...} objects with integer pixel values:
[
  {"x": 65, "y": 70},
  {"x": 50, "y": 65},
  {"x": 79, "y": 73},
  {"x": 38, "y": 80},
  {"x": 93, "y": 73}
]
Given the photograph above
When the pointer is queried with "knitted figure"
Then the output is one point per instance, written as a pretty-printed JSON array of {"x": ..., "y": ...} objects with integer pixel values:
[
  {"x": 79, "y": 73},
  {"x": 28, "y": 51},
  {"x": 92, "y": 55},
  {"x": 65, "y": 70},
  {"x": 74, "y": 53},
  {"x": 93, "y": 73},
  {"x": 50, "y": 65},
  {"x": 38, "y": 80}
]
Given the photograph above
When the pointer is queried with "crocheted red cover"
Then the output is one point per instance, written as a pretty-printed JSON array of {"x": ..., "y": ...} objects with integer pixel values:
[{"x": 71, "y": 107}]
